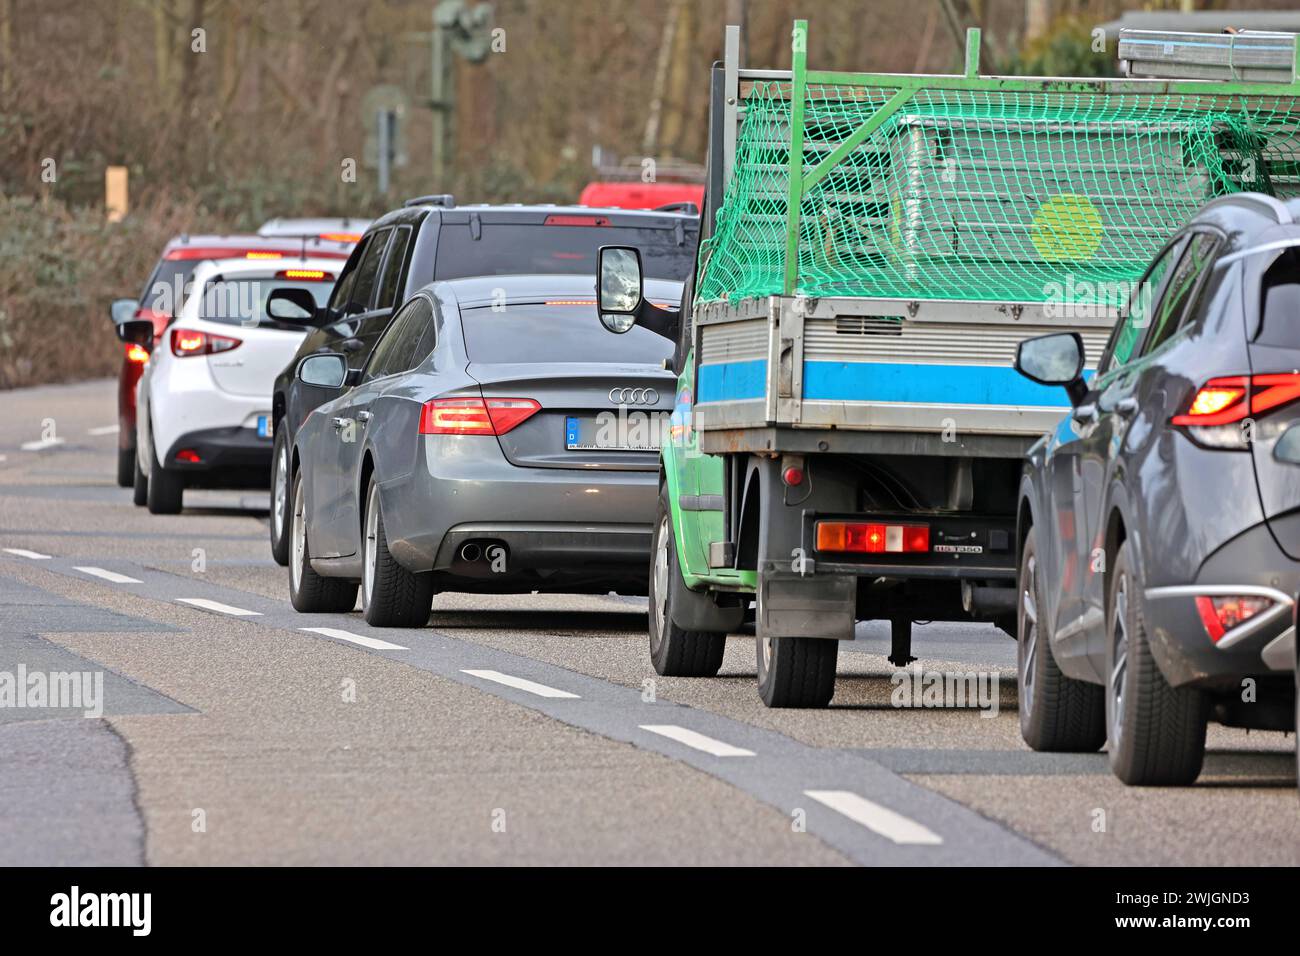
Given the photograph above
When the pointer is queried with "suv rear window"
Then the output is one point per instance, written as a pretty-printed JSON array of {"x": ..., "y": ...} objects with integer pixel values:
[
  {"x": 543, "y": 334},
  {"x": 243, "y": 301},
  {"x": 1280, "y": 302},
  {"x": 538, "y": 249}
]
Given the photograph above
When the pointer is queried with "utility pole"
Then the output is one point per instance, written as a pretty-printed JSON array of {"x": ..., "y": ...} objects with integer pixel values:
[{"x": 458, "y": 30}]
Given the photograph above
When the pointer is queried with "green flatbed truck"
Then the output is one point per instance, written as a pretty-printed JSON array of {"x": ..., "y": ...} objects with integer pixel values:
[{"x": 849, "y": 433}]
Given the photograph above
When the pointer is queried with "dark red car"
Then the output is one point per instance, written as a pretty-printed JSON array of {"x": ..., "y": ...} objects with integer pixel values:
[{"x": 164, "y": 291}]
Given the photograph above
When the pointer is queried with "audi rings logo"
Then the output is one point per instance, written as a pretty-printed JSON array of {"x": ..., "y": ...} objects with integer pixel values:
[{"x": 634, "y": 396}]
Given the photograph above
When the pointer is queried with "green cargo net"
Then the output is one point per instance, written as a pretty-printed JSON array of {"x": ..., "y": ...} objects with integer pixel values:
[{"x": 985, "y": 194}]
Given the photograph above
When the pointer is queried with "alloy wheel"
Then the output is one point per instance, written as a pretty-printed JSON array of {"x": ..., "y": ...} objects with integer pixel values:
[
  {"x": 1119, "y": 658},
  {"x": 1028, "y": 650}
]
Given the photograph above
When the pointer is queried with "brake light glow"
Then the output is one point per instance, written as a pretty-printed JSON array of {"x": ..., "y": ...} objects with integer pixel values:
[
  {"x": 1221, "y": 614},
  {"x": 560, "y": 220},
  {"x": 317, "y": 275},
  {"x": 137, "y": 354},
  {"x": 189, "y": 342},
  {"x": 873, "y": 537},
  {"x": 475, "y": 416},
  {"x": 188, "y": 455},
  {"x": 341, "y": 236},
  {"x": 571, "y": 302},
  {"x": 253, "y": 254}
]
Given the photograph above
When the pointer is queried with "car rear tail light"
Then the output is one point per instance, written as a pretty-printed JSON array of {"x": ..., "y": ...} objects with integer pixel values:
[
  {"x": 475, "y": 416},
  {"x": 189, "y": 342},
  {"x": 137, "y": 354},
  {"x": 1214, "y": 415},
  {"x": 1221, "y": 614},
  {"x": 255, "y": 254},
  {"x": 870, "y": 537},
  {"x": 310, "y": 275},
  {"x": 189, "y": 455}
]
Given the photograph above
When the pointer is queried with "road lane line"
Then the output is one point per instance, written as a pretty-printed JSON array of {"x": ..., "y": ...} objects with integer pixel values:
[
  {"x": 697, "y": 740},
  {"x": 104, "y": 430},
  {"x": 541, "y": 690},
  {"x": 219, "y": 607},
  {"x": 24, "y": 553},
  {"x": 373, "y": 643},
  {"x": 112, "y": 576},
  {"x": 893, "y": 826},
  {"x": 40, "y": 444}
]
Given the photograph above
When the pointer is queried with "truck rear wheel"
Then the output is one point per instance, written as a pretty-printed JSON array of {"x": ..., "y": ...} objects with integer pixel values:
[
  {"x": 796, "y": 671},
  {"x": 674, "y": 651}
]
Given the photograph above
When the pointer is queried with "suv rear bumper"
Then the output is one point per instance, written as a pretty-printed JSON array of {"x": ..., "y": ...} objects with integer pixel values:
[{"x": 1252, "y": 564}]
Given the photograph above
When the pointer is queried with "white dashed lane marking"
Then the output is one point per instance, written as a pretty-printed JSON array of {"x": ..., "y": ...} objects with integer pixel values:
[
  {"x": 890, "y": 825},
  {"x": 24, "y": 553},
  {"x": 104, "y": 430},
  {"x": 111, "y": 576},
  {"x": 373, "y": 643},
  {"x": 696, "y": 740},
  {"x": 541, "y": 690},
  {"x": 40, "y": 444},
  {"x": 219, "y": 607}
]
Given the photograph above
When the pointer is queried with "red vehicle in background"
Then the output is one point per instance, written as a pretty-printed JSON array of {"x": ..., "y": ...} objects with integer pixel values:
[
  {"x": 164, "y": 293},
  {"x": 639, "y": 195}
]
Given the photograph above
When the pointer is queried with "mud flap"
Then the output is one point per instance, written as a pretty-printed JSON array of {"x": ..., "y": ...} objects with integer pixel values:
[{"x": 807, "y": 606}]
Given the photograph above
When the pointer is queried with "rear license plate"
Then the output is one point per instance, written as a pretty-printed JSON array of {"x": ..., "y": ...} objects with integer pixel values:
[
  {"x": 263, "y": 426},
  {"x": 588, "y": 434}
]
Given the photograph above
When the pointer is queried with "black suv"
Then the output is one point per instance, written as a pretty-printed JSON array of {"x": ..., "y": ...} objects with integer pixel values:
[
  {"x": 1160, "y": 522},
  {"x": 431, "y": 239}
]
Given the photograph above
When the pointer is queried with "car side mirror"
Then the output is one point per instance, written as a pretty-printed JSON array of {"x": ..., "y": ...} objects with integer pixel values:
[
  {"x": 621, "y": 287},
  {"x": 324, "y": 370},
  {"x": 136, "y": 332},
  {"x": 1287, "y": 448},
  {"x": 1055, "y": 359},
  {"x": 295, "y": 306},
  {"x": 122, "y": 310}
]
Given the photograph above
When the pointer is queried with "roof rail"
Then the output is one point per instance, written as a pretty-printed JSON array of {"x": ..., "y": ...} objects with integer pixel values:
[
  {"x": 445, "y": 200},
  {"x": 689, "y": 208}
]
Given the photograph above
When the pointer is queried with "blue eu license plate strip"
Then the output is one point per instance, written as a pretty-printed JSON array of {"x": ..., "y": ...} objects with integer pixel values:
[{"x": 263, "y": 426}]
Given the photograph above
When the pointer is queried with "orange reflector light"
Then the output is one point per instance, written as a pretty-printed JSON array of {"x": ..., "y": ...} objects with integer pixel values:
[
  {"x": 571, "y": 302},
  {"x": 872, "y": 537}
]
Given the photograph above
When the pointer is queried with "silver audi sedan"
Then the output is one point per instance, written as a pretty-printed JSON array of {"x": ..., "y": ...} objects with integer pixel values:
[{"x": 496, "y": 440}]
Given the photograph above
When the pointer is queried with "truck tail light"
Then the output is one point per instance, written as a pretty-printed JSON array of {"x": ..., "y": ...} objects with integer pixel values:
[
  {"x": 870, "y": 537},
  {"x": 1214, "y": 415},
  {"x": 1221, "y": 614},
  {"x": 190, "y": 342},
  {"x": 475, "y": 416}
]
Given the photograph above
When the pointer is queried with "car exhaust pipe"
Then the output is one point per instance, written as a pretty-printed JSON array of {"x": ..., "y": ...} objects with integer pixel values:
[{"x": 470, "y": 552}]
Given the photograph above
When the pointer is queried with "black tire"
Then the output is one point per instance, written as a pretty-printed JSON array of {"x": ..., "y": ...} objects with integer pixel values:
[
  {"x": 140, "y": 484},
  {"x": 309, "y": 592},
  {"x": 1155, "y": 733},
  {"x": 281, "y": 498},
  {"x": 166, "y": 488},
  {"x": 1057, "y": 713},
  {"x": 796, "y": 671},
  {"x": 391, "y": 596},
  {"x": 125, "y": 467},
  {"x": 675, "y": 652}
]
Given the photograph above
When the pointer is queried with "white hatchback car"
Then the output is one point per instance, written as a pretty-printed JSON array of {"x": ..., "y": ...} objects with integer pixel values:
[{"x": 204, "y": 401}]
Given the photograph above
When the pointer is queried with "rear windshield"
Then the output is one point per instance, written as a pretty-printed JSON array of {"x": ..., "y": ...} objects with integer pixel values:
[
  {"x": 537, "y": 249},
  {"x": 547, "y": 334},
  {"x": 167, "y": 285},
  {"x": 243, "y": 301},
  {"x": 1280, "y": 302}
]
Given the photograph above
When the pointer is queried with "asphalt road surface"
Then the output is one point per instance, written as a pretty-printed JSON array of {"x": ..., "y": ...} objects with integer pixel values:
[{"x": 512, "y": 730}]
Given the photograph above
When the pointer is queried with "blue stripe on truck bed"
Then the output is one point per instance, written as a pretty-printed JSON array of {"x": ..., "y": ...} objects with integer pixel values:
[{"x": 885, "y": 382}]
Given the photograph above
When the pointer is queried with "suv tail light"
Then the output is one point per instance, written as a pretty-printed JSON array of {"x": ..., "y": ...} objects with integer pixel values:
[
  {"x": 137, "y": 354},
  {"x": 475, "y": 416},
  {"x": 189, "y": 342},
  {"x": 1214, "y": 415},
  {"x": 871, "y": 537},
  {"x": 1221, "y": 614}
]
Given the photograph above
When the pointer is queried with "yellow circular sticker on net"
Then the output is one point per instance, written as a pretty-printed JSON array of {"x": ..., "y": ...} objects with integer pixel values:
[{"x": 1066, "y": 228}]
